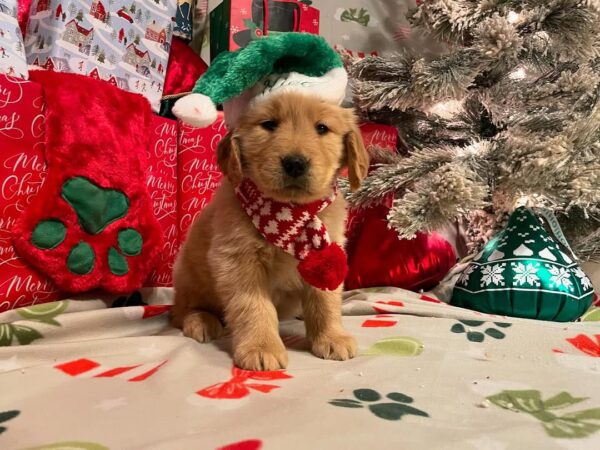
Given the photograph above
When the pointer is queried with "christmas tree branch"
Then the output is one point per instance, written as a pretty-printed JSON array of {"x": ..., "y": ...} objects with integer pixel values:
[
  {"x": 402, "y": 81},
  {"x": 437, "y": 199},
  {"x": 510, "y": 111},
  {"x": 397, "y": 178}
]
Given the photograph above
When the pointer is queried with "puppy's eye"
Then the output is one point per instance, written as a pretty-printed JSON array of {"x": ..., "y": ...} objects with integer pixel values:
[
  {"x": 269, "y": 125},
  {"x": 321, "y": 129}
]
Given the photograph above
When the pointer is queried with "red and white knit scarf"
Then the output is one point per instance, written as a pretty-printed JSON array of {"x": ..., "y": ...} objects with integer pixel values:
[{"x": 296, "y": 229}]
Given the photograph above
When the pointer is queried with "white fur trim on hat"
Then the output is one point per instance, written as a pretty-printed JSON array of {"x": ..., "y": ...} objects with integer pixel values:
[
  {"x": 331, "y": 87},
  {"x": 196, "y": 110}
]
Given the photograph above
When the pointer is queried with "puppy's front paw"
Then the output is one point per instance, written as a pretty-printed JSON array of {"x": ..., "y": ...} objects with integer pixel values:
[
  {"x": 338, "y": 346},
  {"x": 265, "y": 357},
  {"x": 202, "y": 326}
]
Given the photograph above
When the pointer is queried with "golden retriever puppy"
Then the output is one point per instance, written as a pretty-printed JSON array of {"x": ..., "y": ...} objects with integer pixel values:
[{"x": 292, "y": 147}]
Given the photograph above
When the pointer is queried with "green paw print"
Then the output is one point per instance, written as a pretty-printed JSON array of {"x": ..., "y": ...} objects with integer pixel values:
[
  {"x": 478, "y": 336},
  {"x": 5, "y": 416},
  {"x": 393, "y": 410},
  {"x": 96, "y": 208}
]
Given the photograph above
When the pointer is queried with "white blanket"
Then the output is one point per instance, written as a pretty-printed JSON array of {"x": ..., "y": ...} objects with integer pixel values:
[{"x": 84, "y": 375}]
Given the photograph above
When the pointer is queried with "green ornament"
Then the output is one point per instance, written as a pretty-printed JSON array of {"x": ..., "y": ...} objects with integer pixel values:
[{"x": 523, "y": 272}]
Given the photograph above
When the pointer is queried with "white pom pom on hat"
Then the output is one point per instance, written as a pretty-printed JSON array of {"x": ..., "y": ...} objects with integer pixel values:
[{"x": 196, "y": 110}]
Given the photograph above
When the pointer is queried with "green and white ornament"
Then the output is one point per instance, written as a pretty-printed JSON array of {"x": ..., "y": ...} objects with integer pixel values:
[
  {"x": 524, "y": 272},
  {"x": 281, "y": 62}
]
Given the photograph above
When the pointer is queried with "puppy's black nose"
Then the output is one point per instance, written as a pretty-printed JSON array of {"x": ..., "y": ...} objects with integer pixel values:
[{"x": 295, "y": 165}]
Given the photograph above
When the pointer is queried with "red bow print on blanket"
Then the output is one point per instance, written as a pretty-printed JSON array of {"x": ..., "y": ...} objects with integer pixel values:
[
  {"x": 87, "y": 368},
  {"x": 251, "y": 444},
  {"x": 590, "y": 345},
  {"x": 380, "y": 321},
  {"x": 239, "y": 387},
  {"x": 155, "y": 310},
  {"x": 387, "y": 306}
]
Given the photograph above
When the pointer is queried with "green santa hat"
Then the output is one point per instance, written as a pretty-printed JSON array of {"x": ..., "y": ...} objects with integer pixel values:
[{"x": 279, "y": 62}]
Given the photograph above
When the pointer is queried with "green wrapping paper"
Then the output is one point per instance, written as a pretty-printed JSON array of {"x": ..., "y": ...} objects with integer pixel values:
[{"x": 524, "y": 272}]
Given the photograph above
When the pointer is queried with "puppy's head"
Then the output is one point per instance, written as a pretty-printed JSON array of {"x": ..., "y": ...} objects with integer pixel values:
[{"x": 293, "y": 146}]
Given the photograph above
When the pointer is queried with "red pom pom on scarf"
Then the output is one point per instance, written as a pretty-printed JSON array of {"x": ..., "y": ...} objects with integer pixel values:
[{"x": 325, "y": 269}]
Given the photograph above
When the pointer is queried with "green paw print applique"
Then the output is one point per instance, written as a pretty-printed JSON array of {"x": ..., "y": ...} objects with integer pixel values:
[
  {"x": 371, "y": 399},
  {"x": 479, "y": 336},
  {"x": 96, "y": 209}
]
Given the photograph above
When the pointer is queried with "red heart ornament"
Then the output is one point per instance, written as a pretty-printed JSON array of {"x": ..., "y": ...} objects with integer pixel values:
[{"x": 376, "y": 257}]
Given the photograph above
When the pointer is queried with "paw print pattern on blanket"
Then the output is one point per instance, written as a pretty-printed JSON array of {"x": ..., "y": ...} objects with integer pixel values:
[
  {"x": 6, "y": 416},
  {"x": 96, "y": 208},
  {"x": 394, "y": 410},
  {"x": 478, "y": 336}
]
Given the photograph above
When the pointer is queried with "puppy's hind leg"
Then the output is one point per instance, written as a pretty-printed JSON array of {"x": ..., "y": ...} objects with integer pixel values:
[{"x": 202, "y": 326}]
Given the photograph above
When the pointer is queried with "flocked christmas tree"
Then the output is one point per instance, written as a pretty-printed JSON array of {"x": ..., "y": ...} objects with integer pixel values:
[{"x": 510, "y": 114}]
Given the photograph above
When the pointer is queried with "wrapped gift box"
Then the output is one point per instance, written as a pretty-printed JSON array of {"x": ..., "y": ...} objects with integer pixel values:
[
  {"x": 125, "y": 43},
  {"x": 234, "y": 23},
  {"x": 12, "y": 51},
  {"x": 22, "y": 171},
  {"x": 162, "y": 187},
  {"x": 184, "y": 19},
  {"x": 379, "y": 135},
  {"x": 198, "y": 172}
]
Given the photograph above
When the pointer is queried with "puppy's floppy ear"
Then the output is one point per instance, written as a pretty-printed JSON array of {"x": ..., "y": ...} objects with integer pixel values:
[
  {"x": 229, "y": 160},
  {"x": 356, "y": 155}
]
